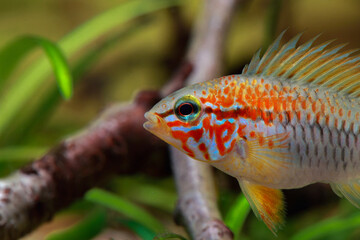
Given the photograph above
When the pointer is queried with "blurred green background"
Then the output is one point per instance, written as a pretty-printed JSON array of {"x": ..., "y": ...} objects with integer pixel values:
[{"x": 112, "y": 53}]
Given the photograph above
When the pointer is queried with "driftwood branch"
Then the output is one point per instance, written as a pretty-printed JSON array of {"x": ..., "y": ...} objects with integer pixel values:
[
  {"x": 33, "y": 194},
  {"x": 197, "y": 205}
]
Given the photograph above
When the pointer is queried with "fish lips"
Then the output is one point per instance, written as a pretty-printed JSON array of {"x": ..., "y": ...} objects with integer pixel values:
[
  {"x": 152, "y": 122},
  {"x": 157, "y": 126}
]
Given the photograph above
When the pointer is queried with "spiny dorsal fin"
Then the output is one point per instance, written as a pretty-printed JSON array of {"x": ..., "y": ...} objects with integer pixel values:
[{"x": 310, "y": 65}]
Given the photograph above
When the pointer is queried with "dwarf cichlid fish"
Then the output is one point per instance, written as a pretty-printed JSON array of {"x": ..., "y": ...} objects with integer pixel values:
[{"x": 290, "y": 119}]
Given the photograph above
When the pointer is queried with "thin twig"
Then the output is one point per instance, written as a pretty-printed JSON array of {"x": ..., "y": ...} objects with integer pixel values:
[{"x": 197, "y": 205}]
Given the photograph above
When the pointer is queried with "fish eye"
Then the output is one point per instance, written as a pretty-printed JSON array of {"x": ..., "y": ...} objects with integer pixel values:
[{"x": 187, "y": 108}]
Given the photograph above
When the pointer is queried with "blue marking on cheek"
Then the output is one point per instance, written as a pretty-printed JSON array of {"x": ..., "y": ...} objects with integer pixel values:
[
  {"x": 230, "y": 120},
  {"x": 194, "y": 146},
  {"x": 213, "y": 151},
  {"x": 187, "y": 129},
  {"x": 227, "y": 144},
  {"x": 210, "y": 142},
  {"x": 207, "y": 104},
  {"x": 191, "y": 143},
  {"x": 180, "y": 129},
  {"x": 206, "y": 134},
  {"x": 171, "y": 118},
  {"x": 243, "y": 121},
  {"x": 224, "y": 133},
  {"x": 221, "y": 122},
  {"x": 234, "y": 135}
]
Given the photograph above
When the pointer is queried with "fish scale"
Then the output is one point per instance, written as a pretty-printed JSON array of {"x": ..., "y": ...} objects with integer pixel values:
[
  {"x": 306, "y": 137},
  {"x": 290, "y": 119},
  {"x": 324, "y": 161}
]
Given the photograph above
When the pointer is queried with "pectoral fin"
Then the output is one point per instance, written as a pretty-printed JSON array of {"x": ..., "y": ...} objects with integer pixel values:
[
  {"x": 267, "y": 203},
  {"x": 349, "y": 190},
  {"x": 266, "y": 155}
]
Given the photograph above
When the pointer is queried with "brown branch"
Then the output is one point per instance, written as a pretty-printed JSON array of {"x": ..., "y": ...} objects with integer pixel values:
[
  {"x": 33, "y": 194},
  {"x": 197, "y": 205}
]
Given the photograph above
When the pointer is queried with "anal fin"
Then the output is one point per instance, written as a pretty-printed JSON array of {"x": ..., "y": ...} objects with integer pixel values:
[
  {"x": 267, "y": 203},
  {"x": 349, "y": 190}
]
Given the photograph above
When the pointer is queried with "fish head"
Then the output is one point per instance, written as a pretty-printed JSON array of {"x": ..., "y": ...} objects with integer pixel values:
[
  {"x": 186, "y": 119},
  {"x": 177, "y": 119}
]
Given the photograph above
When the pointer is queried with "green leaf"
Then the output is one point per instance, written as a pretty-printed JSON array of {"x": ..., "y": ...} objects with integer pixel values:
[
  {"x": 124, "y": 207},
  {"x": 11, "y": 55},
  {"x": 16, "y": 97},
  {"x": 86, "y": 229},
  {"x": 15, "y": 51},
  {"x": 20, "y": 153},
  {"x": 143, "y": 232},
  {"x": 165, "y": 236},
  {"x": 154, "y": 196},
  {"x": 34, "y": 119},
  {"x": 328, "y": 227},
  {"x": 143, "y": 192},
  {"x": 236, "y": 215}
]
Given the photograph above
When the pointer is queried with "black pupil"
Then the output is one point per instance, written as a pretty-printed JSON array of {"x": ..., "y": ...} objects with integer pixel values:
[{"x": 186, "y": 109}]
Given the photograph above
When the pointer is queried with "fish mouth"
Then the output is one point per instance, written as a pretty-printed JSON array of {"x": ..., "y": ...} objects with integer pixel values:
[
  {"x": 155, "y": 124},
  {"x": 152, "y": 122}
]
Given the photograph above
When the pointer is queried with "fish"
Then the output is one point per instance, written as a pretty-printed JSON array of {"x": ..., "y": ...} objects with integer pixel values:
[{"x": 290, "y": 119}]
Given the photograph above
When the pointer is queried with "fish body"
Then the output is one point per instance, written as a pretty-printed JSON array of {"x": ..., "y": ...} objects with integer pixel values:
[{"x": 290, "y": 119}]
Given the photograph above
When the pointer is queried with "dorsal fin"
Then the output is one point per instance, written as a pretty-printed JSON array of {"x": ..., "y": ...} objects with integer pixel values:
[{"x": 314, "y": 66}]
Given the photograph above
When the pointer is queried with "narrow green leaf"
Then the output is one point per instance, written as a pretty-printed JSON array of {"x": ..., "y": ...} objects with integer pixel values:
[
  {"x": 328, "y": 227},
  {"x": 236, "y": 215},
  {"x": 154, "y": 196},
  {"x": 21, "y": 153},
  {"x": 15, "y": 51},
  {"x": 36, "y": 118},
  {"x": 11, "y": 54},
  {"x": 143, "y": 192},
  {"x": 60, "y": 66},
  {"x": 143, "y": 232},
  {"x": 165, "y": 236},
  {"x": 124, "y": 207},
  {"x": 16, "y": 97},
  {"x": 86, "y": 229}
]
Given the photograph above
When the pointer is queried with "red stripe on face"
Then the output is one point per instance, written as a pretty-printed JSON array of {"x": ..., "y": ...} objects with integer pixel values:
[
  {"x": 207, "y": 126},
  {"x": 241, "y": 128},
  {"x": 176, "y": 124},
  {"x": 220, "y": 141},
  {"x": 184, "y": 136},
  {"x": 203, "y": 149}
]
